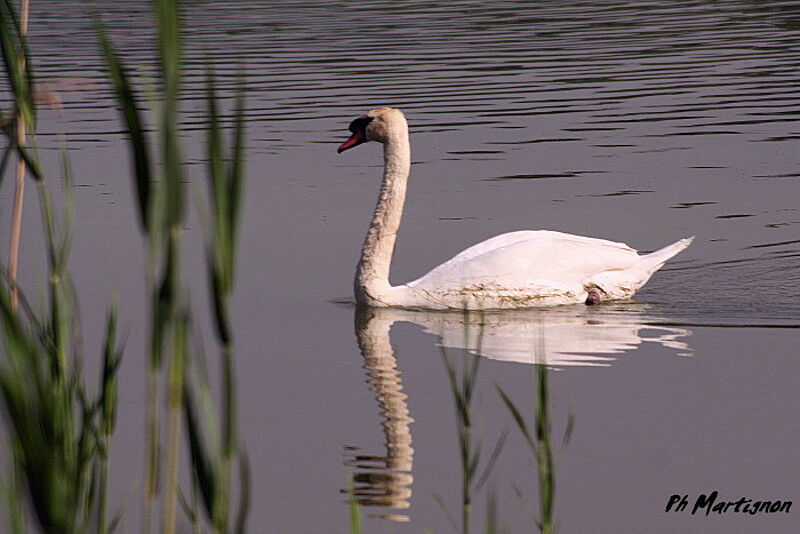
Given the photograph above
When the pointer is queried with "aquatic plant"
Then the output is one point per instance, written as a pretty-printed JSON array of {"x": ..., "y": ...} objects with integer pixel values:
[
  {"x": 59, "y": 433},
  {"x": 539, "y": 441},
  {"x": 20, "y": 120},
  {"x": 470, "y": 448},
  {"x": 161, "y": 207}
]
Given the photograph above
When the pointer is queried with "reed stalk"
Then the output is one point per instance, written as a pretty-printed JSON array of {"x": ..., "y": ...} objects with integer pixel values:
[
  {"x": 355, "y": 508},
  {"x": 225, "y": 179},
  {"x": 470, "y": 448},
  {"x": 112, "y": 356},
  {"x": 161, "y": 214},
  {"x": 19, "y": 191},
  {"x": 539, "y": 441},
  {"x": 59, "y": 434},
  {"x": 213, "y": 445},
  {"x": 175, "y": 405},
  {"x": 161, "y": 207}
]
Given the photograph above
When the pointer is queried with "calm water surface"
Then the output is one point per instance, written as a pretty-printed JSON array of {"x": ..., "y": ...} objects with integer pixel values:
[{"x": 642, "y": 122}]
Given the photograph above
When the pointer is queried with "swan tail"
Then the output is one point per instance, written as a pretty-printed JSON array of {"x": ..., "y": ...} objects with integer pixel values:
[{"x": 655, "y": 260}]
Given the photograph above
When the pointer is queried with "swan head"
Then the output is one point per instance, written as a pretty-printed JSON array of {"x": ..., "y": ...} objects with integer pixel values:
[{"x": 379, "y": 124}]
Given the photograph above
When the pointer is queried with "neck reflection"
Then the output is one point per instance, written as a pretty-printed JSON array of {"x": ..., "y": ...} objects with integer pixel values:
[{"x": 383, "y": 480}]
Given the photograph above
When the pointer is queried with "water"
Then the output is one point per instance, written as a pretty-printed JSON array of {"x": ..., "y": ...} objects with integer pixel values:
[{"x": 643, "y": 122}]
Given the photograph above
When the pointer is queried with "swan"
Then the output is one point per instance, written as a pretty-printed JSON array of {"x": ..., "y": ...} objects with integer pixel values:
[{"x": 522, "y": 269}]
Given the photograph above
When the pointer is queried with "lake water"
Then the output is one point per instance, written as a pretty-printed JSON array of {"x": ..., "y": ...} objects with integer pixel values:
[{"x": 642, "y": 122}]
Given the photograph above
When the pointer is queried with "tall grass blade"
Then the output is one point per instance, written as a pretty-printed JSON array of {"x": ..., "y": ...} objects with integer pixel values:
[
  {"x": 203, "y": 448},
  {"x": 487, "y": 470},
  {"x": 14, "y": 502},
  {"x": 245, "y": 493},
  {"x": 175, "y": 407},
  {"x": 491, "y": 513},
  {"x": 131, "y": 114},
  {"x": 29, "y": 160},
  {"x": 470, "y": 448},
  {"x": 18, "y": 71},
  {"x": 236, "y": 169},
  {"x": 355, "y": 509},
  {"x": 225, "y": 177},
  {"x": 568, "y": 429},
  {"x": 107, "y": 405},
  {"x": 5, "y": 159},
  {"x": 54, "y": 429},
  {"x": 169, "y": 48},
  {"x": 438, "y": 498},
  {"x": 518, "y": 419},
  {"x": 16, "y": 61},
  {"x": 540, "y": 445}
]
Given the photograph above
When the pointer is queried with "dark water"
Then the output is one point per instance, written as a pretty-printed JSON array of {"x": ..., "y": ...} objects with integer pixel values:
[{"x": 642, "y": 122}]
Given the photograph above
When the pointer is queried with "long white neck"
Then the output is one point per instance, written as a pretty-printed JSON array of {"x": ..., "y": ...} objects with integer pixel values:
[{"x": 372, "y": 274}]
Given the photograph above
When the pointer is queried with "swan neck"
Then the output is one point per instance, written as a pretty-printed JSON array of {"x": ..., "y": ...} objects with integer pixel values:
[{"x": 372, "y": 275}]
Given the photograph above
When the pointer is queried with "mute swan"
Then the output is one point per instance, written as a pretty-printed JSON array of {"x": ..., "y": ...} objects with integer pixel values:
[{"x": 521, "y": 269}]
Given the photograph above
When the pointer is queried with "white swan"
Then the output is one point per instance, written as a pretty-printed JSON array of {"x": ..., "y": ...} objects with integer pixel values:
[{"x": 516, "y": 270}]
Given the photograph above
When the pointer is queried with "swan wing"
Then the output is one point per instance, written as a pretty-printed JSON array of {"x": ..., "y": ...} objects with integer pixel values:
[{"x": 523, "y": 259}]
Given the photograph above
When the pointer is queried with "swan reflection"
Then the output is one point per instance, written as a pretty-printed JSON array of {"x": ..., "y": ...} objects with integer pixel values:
[
  {"x": 383, "y": 480},
  {"x": 557, "y": 337},
  {"x": 566, "y": 336}
]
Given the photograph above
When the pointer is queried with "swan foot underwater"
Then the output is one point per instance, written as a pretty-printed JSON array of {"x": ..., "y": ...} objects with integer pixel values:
[{"x": 523, "y": 269}]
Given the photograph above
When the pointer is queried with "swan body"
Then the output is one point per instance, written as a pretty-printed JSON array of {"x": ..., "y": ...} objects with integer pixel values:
[{"x": 522, "y": 269}]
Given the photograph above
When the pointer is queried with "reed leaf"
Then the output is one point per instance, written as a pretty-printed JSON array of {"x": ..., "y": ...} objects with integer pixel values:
[
  {"x": 487, "y": 470},
  {"x": 131, "y": 114},
  {"x": 355, "y": 511},
  {"x": 30, "y": 161},
  {"x": 17, "y": 63},
  {"x": 518, "y": 419},
  {"x": 225, "y": 177},
  {"x": 540, "y": 445},
  {"x": 112, "y": 357},
  {"x": 236, "y": 170},
  {"x": 175, "y": 407},
  {"x": 19, "y": 72},
  {"x": 107, "y": 406},
  {"x": 14, "y": 501},
  {"x": 245, "y": 493},
  {"x": 169, "y": 48},
  {"x": 205, "y": 470},
  {"x": 53, "y": 447},
  {"x": 5, "y": 159}
]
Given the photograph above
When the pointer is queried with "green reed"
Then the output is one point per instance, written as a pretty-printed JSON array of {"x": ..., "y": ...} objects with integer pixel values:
[
  {"x": 470, "y": 448},
  {"x": 60, "y": 434},
  {"x": 355, "y": 508},
  {"x": 24, "y": 122},
  {"x": 161, "y": 201},
  {"x": 58, "y": 431},
  {"x": 539, "y": 441}
]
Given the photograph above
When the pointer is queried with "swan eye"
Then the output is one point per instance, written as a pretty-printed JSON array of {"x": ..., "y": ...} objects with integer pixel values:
[{"x": 359, "y": 124}]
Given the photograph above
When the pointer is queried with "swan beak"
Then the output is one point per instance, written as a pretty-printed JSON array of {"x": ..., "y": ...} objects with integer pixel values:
[{"x": 357, "y": 138}]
